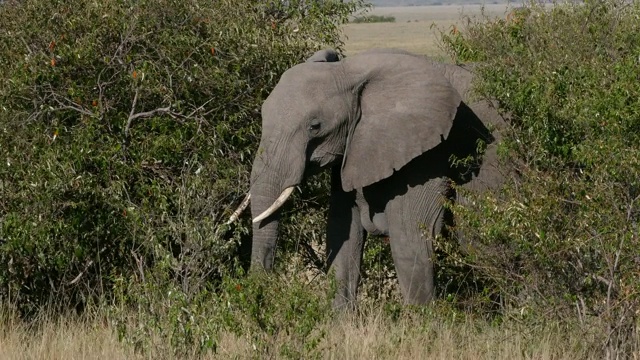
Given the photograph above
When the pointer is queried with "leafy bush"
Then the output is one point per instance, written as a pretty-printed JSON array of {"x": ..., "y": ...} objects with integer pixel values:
[
  {"x": 261, "y": 309},
  {"x": 373, "y": 19},
  {"x": 127, "y": 132},
  {"x": 564, "y": 238}
]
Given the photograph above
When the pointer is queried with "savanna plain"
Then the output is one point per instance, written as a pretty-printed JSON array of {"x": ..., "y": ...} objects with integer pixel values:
[
  {"x": 368, "y": 334},
  {"x": 416, "y": 28}
]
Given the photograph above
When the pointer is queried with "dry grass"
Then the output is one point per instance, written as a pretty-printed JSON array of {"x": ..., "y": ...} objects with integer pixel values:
[
  {"x": 377, "y": 337},
  {"x": 412, "y": 30},
  {"x": 373, "y": 336},
  {"x": 65, "y": 338}
]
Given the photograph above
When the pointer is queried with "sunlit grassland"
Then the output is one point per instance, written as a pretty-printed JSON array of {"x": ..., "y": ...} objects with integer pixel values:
[
  {"x": 373, "y": 334},
  {"x": 415, "y": 28}
]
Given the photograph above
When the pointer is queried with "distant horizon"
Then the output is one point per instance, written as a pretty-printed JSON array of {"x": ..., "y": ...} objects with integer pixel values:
[{"x": 410, "y": 3}]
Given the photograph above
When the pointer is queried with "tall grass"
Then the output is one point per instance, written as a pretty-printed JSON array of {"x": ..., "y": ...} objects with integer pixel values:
[
  {"x": 372, "y": 334},
  {"x": 58, "y": 337}
]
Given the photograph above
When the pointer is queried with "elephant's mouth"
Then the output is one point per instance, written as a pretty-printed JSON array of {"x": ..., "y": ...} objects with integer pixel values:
[
  {"x": 320, "y": 162},
  {"x": 312, "y": 167}
]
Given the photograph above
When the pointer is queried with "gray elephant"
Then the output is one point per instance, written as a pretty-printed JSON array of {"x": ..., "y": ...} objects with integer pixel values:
[{"x": 389, "y": 125}]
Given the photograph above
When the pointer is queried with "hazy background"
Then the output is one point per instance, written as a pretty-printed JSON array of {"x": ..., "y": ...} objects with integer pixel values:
[
  {"x": 416, "y": 28},
  {"x": 431, "y": 2}
]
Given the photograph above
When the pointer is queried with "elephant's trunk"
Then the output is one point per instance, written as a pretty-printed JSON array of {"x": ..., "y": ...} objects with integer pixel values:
[
  {"x": 276, "y": 169},
  {"x": 272, "y": 182},
  {"x": 265, "y": 233}
]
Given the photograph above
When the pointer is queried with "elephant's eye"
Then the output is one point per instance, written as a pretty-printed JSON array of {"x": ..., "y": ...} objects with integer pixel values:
[{"x": 314, "y": 126}]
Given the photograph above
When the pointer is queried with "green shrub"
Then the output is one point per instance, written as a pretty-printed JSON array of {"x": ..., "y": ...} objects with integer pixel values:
[
  {"x": 262, "y": 309},
  {"x": 563, "y": 239},
  {"x": 373, "y": 19},
  {"x": 128, "y": 129}
]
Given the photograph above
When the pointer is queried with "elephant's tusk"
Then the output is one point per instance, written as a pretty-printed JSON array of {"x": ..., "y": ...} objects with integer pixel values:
[
  {"x": 276, "y": 205},
  {"x": 239, "y": 210}
]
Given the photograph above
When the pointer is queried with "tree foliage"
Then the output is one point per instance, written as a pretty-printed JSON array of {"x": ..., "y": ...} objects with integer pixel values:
[
  {"x": 127, "y": 129},
  {"x": 565, "y": 236}
]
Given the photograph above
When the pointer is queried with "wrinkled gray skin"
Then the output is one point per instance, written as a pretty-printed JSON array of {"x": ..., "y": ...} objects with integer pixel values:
[{"x": 386, "y": 123}]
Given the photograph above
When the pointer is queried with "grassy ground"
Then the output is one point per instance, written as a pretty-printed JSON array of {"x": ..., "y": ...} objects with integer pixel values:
[
  {"x": 372, "y": 336},
  {"x": 65, "y": 338},
  {"x": 412, "y": 29}
]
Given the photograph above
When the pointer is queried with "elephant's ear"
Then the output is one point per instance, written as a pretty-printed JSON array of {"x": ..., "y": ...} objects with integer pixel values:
[
  {"x": 326, "y": 55},
  {"x": 406, "y": 110}
]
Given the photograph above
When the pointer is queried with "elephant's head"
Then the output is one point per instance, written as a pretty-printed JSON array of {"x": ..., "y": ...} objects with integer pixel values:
[{"x": 370, "y": 115}]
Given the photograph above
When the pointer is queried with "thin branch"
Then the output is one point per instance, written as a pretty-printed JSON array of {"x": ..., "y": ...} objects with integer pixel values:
[
  {"x": 139, "y": 263},
  {"x": 200, "y": 108},
  {"x": 73, "y": 106},
  {"x": 102, "y": 106},
  {"x": 77, "y": 278},
  {"x": 131, "y": 113},
  {"x": 164, "y": 110},
  {"x": 27, "y": 46}
]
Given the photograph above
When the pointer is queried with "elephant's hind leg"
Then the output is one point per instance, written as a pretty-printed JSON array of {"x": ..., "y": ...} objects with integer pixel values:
[
  {"x": 412, "y": 256},
  {"x": 415, "y": 219}
]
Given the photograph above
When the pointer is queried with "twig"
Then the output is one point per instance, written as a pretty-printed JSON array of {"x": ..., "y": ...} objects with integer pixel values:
[
  {"x": 199, "y": 108},
  {"x": 139, "y": 263},
  {"x": 102, "y": 104},
  {"x": 27, "y": 46},
  {"x": 77, "y": 278},
  {"x": 74, "y": 106},
  {"x": 164, "y": 110},
  {"x": 145, "y": 114},
  {"x": 131, "y": 113}
]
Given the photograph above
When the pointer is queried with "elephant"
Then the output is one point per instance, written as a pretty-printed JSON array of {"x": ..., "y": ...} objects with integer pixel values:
[{"x": 389, "y": 126}]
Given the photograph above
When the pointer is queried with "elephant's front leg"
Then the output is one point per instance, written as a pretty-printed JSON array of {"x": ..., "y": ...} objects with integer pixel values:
[{"x": 345, "y": 242}]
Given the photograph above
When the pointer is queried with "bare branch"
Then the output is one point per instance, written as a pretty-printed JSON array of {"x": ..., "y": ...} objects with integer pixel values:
[
  {"x": 199, "y": 108},
  {"x": 164, "y": 110},
  {"x": 133, "y": 109},
  {"x": 77, "y": 278},
  {"x": 71, "y": 105},
  {"x": 102, "y": 105},
  {"x": 139, "y": 263},
  {"x": 27, "y": 46},
  {"x": 133, "y": 115}
]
